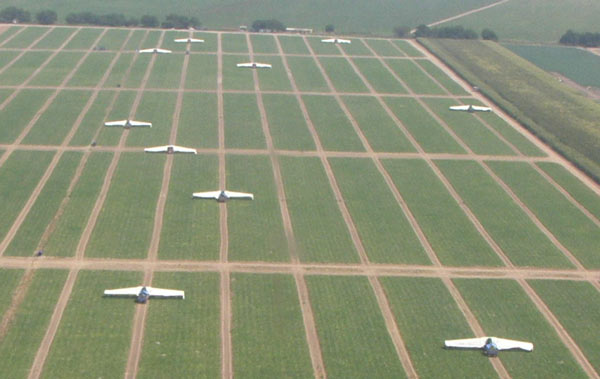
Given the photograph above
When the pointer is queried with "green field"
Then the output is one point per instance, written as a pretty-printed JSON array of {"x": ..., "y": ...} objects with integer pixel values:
[
  {"x": 576, "y": 64},
  {"x": 268, "y": 333},
  {"x": 19, "y": 345},
  {"x": 188, "y": 344},
  {"x": 125, "y": 222},
  {"x": 93, "y": 339},
  {"x": 351, "y": 329},
  {"x": 381, "y": 221},
  {"x": 190, "y": 227}
]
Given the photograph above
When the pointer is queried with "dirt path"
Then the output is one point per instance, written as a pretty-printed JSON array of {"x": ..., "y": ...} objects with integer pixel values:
[
  {"x": 139, "y": 323},
  {"x": 544, "y": 310},
  {"x": 17, "y": 298},
  {"x": 4, "y": 28},
  {"x": 82, "y": 163},
  {"x": 225, "y": 285},
  {"x": 380, "y": 296},
  {"x": 27, "y": 49},
  {"x": 40, "y": 357},
  {"x": 65, "y": 294},
  {"x": 379, "y": 270},
  {"x": 472, "y": 321},
  {"x": 467, "y": 13},
  {"x": 38, "y": 189},
  {"x": 312, "y": 339}
]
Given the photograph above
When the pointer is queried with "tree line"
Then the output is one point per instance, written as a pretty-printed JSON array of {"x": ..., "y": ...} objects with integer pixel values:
[
  {"x": 586, "y": 39},
  {"x": 48, "y": 17},
  {"x": 455, "y": 32}
]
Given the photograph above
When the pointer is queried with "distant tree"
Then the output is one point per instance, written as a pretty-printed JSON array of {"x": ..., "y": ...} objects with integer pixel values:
[
  {"x": 329, "y": 28},
  {"x": 180, "y": 22},
  {"x": 112, "y": 19},
  {"x": 83, "y": 18},
  {"x": 489, "y": 34},
  {"x": 11, "y": 14},
  {"x": 586, "y": 39},
  {"x": 569, "y": 38},
  {"x": 423, "y": 31},
  {"x": 132, "y": 22},
  {"x": 401, "y": 31},
  {"x": 455, "y": 32},
  {"x": 274, "y": 25},
  {"x": 149, "y": 21},
  {"x": 46, "y": 17}
]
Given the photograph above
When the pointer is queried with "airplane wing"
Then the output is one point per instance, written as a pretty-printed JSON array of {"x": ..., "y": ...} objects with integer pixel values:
[
  {"x": 329, "y": 40},
  {"x": 181, "y": 149},
  {"x": 343, "y": 41},
  {"x": 156, "y": 149},
  {"x": 116, "y": 123},
  {"x": 131, "y": 291},
  {"x": 467, "y": 343},
  {"x": 140, "y": 123},
  {"x": 459, "y": 108},
  {"x": 481, "y": 109},
  {"x": 244, "y": 64},
  {"x": 163, "y": 51},
  {"x": 161, "y": 292},
  {"x": 506, "y": 344},
  {"x": 207, "y": 195},
  {"x": 239, "y": 195},
  {"x": 263, "y": 65},
  {"x": 146, "y": 51}
]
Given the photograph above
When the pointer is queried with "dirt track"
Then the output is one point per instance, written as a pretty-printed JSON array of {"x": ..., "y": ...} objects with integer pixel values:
[{"x": 298, "y": 269}]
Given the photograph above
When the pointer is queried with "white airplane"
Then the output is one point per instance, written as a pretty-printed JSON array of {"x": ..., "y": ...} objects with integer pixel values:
[
  {"x": 155, "y": 50},
  {"x": 223, "y": 196},
  {"x": 490, "y": 345},
  {"x": 170, "y": 149},
  {"x": 142, "y": 293},
  {"x": 128, "y": 123},
  {"x": 254, "y": 65},
  {"x": 470, "y": 108},
  {"x": 336, "y": 40},
  {"x": 186, "y": 40}
]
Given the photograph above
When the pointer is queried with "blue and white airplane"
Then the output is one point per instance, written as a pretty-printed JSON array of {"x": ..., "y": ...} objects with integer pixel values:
[
  {"x": 155, "y": 50},
  {"x": 254, "y": 65},
  {"x": 190, "y": 40},
  {"x": 470, "y": 108},
  {"x": 170, "y": 149},
  {"x": 222, "y": 196},
  {"x": 490, "y": 345},
  {"x": 142, "y": 293},
  {"x": 128, "y": 123},
  {"x": 336, "y": 40}
]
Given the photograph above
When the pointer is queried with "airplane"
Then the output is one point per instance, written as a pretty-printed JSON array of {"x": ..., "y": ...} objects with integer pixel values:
[
  {"x": 254, "y": 65},
  {"x": 170, "y": 149},
  {"x": 142, "y": 293},
  {"x": 470, "y": 108},
  {"x": 186, "y": 40},
  {"x": 155, "y": 50},
  {"x": 490, "y": 345},
  {"x": 336, "y": 40},
  {"x": 223, "y": 196},
  {"x": 128, "y": 123}
]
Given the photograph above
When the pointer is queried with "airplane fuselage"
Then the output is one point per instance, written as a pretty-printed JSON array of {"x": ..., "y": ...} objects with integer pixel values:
[
  {"x": 143, "y": 296},
  {"x": 222, "y": 197},
  {"x": 490, "y": 349}
]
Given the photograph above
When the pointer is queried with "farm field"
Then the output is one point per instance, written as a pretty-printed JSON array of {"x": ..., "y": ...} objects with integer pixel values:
[
  {"x": 381, "y": 224},
  {"x": 576, "y": 64}
]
